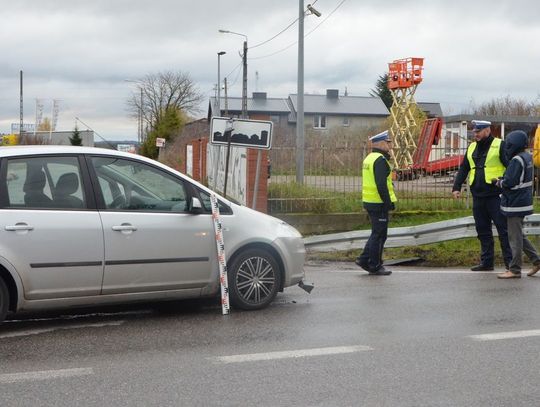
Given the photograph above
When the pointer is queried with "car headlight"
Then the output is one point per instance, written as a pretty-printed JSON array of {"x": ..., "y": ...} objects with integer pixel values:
[{"x": 286, "y": 230}]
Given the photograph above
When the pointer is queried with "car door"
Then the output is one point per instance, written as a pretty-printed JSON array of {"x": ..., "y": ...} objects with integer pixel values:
[
  {"x": 54, "y": 243},
  {"x": 152, "y": 242}
]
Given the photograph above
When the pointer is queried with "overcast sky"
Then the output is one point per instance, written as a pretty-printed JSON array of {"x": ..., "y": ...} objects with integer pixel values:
[{"x": 81, "y": 52}]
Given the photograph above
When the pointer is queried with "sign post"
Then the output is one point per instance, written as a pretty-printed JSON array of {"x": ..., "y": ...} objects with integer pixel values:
[{"x": 246, "y": 133}]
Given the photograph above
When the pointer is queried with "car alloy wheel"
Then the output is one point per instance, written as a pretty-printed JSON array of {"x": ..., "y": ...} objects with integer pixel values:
[{"x": 254, "y": 279}]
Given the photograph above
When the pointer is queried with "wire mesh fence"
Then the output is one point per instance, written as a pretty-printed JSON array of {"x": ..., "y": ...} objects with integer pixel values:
[{"x": 333, "y": 182}]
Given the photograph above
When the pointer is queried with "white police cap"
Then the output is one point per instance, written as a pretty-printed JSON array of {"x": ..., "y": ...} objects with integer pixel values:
[
  {"x": 384, "y": 136},
  {"x": 480, "y": 124}
]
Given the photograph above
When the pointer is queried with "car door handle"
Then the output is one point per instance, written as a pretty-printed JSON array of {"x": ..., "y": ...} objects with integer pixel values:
[
  {"x": 124, "y": 228},
  {"x": 18, "y": 226}
]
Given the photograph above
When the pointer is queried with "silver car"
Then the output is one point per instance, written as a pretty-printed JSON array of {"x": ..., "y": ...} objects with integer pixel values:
[{"x": 88, "y": 226}]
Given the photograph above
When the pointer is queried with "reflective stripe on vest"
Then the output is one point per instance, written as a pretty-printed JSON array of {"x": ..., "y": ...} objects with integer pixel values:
[
  {"x": 493, "y": 167},
  {"x": 522, "y": 176},
  {"x": 370, "y": 193}
]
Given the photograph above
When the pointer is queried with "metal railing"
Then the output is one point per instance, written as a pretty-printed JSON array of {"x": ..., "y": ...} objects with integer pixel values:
[{"x": 410, "y": 235}]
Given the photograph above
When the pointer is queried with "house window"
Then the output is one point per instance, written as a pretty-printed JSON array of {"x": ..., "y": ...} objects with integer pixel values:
[
  {"x": 319, "y": 122},
  {"x": 346, "y": 122}
]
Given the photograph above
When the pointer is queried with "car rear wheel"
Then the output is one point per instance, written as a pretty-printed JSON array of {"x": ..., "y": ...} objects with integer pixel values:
[
  {"x": 254, "y": 279},
  {"x": 4, "y": 300}
]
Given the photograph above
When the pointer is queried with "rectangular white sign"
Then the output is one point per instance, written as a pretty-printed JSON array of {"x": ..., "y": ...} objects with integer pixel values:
[{"x": 246, "y": 133}]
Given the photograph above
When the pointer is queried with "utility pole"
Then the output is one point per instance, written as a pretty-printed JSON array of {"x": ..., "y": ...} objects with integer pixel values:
[
  {"x": 300, "y": 98},
  {"x": 21, "y": 123},
  {"x": 244, "y": 82},
  {"x": 300, "y": 108}
]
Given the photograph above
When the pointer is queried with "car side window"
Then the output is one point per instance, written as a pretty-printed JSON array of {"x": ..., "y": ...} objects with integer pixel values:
[
  {"x": 130, "y": 185},
  {"x": 207, "y": 205},
  {"x": 44, "y": 183}
]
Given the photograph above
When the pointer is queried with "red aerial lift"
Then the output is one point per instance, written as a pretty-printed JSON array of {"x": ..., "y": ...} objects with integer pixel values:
[{"x": 429, "y": 137}]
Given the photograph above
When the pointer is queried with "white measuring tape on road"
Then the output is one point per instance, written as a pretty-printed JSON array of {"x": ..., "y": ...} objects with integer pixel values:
[{"x": 220, "y": 245}]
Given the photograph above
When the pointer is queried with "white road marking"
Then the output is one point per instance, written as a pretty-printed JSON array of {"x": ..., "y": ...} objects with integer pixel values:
[
  {"x": 37, "y": 331},
  {"x": 253, "y": 357},
  {"x": 44, "y": 375},
  {"x": 505, "y": 335}
]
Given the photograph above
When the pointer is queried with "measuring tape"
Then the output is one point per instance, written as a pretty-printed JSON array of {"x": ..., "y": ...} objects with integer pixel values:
[{"x": 220, "y": 245}]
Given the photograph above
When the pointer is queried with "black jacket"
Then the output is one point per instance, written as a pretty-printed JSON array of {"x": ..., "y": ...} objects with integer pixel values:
[
  {"x": 381, "y": 169},
  {"x": 517, "y": 196},
  {"x": 479, "y": 187}
]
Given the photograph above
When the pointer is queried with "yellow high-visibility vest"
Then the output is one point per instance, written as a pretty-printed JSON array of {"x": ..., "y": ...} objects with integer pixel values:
[
  {"x": 494, "y": 168},
  {"x": 370, "y": 193},
  {"x": 536, "y": 147}
]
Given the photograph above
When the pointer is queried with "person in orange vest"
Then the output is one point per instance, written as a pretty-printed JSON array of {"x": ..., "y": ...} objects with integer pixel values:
[
  {"x": 378, "y": 199},
  {"x": 484, "y": 161}
]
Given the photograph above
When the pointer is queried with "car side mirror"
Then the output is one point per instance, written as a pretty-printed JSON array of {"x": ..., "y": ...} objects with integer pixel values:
[{"x": 196, "y": 206}]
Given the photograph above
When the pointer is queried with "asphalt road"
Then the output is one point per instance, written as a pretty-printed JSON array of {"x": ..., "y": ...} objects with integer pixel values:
[{"x": 420, "y": 337}]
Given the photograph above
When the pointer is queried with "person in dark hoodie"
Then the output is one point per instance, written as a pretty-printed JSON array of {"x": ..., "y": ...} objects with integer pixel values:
[
  {"x": 517, "y": 202},
  {"x": 485, "y": 160},
  {"x": 378, "y": 199}
]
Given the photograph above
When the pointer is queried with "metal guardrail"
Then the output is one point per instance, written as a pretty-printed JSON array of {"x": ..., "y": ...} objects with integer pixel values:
[{"x": 410, "y": 235}]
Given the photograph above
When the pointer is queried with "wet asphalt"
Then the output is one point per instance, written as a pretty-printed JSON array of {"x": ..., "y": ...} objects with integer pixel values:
[{"x": 409, "y": 339}]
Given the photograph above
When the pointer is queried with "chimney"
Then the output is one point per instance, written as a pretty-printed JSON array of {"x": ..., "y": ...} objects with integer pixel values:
[
  {"x": 259, "y": 95},
  {"x": 332, "y": 93}
]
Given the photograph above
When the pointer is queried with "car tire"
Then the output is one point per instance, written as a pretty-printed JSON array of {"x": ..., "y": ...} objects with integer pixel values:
[
  {"x": 254, "y": 279},
  {"x": 4, "y": 300}
]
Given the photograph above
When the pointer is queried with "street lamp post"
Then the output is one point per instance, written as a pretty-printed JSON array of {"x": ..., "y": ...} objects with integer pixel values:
[
  {"x": 218, "y": 101},
  {"x": 244, "y": 73},
  {"x": 140, "y": 121},
  {"x": 244, "y": 102},
  {"x": 300, "y": 92}
]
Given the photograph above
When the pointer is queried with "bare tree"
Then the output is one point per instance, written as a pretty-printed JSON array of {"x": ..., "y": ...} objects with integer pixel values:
[
  {"x": 163, "y": 92},
  {"x": 508, "y": 106}
]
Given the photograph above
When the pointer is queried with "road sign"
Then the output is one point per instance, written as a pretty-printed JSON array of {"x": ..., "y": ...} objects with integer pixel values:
[
  {"x": 246, "y": 133},
  {"x": 160, "y": 142}
]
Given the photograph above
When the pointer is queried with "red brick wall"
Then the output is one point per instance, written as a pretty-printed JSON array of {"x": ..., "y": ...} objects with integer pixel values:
[{"x": 199, "y": 152}]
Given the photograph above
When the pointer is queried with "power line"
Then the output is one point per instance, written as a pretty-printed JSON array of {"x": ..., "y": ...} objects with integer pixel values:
[
  {"x": 296, "y": 42},
  {"x": 279, "y": 33}
]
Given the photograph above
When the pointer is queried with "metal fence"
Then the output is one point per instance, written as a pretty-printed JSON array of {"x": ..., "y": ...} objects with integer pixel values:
[{"x": 334, "y": 173}]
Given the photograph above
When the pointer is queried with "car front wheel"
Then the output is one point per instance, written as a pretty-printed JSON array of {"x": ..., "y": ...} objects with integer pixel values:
[
  {"x": 4, "y": 300},
  {"x": 254, "y": 279}
]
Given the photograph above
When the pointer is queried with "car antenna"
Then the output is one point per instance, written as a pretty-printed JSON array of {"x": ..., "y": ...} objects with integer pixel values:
[{"x": 95, "y": 132}]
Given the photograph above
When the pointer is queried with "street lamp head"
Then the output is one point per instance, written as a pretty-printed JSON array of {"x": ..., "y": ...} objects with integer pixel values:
[
  {"x": 232, "y": 32},
  {"x": 313, "y": 10},
  {"x": 221, "y": 53}
]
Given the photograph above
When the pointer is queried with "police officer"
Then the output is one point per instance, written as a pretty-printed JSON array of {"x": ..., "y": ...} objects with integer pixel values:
[
  {"x": 517, "y": 202},
  {"x": 378, "y": 199},
  {"x": 484, "y": 161}
]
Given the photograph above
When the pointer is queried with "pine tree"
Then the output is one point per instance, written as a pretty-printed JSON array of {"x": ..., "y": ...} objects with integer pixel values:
[
  {"x": 76, "y": 140},
  {"x": 381, "y": 90}
]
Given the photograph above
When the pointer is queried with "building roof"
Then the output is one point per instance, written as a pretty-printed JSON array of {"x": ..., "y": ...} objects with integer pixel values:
[
  {"x": 431, "y": 109},
  {"x": 492, "y": 119},
  {"x": 254, "y": 105},
  {"x": 345, "y": 105},
  {"x": 313, "y": 104}
]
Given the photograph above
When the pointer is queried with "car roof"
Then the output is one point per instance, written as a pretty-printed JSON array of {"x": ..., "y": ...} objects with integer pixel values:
[
  {"x": 10, "y": 151},
  {"x": 13, "y": 151}
]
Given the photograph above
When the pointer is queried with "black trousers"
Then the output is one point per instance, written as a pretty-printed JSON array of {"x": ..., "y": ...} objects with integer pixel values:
[
  {"x": 371, "y": 257},
  {"x": 485, "y": 211}
]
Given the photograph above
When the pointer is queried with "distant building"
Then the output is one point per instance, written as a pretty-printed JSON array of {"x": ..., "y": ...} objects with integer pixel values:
[{"x": 321, "y": 112}]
